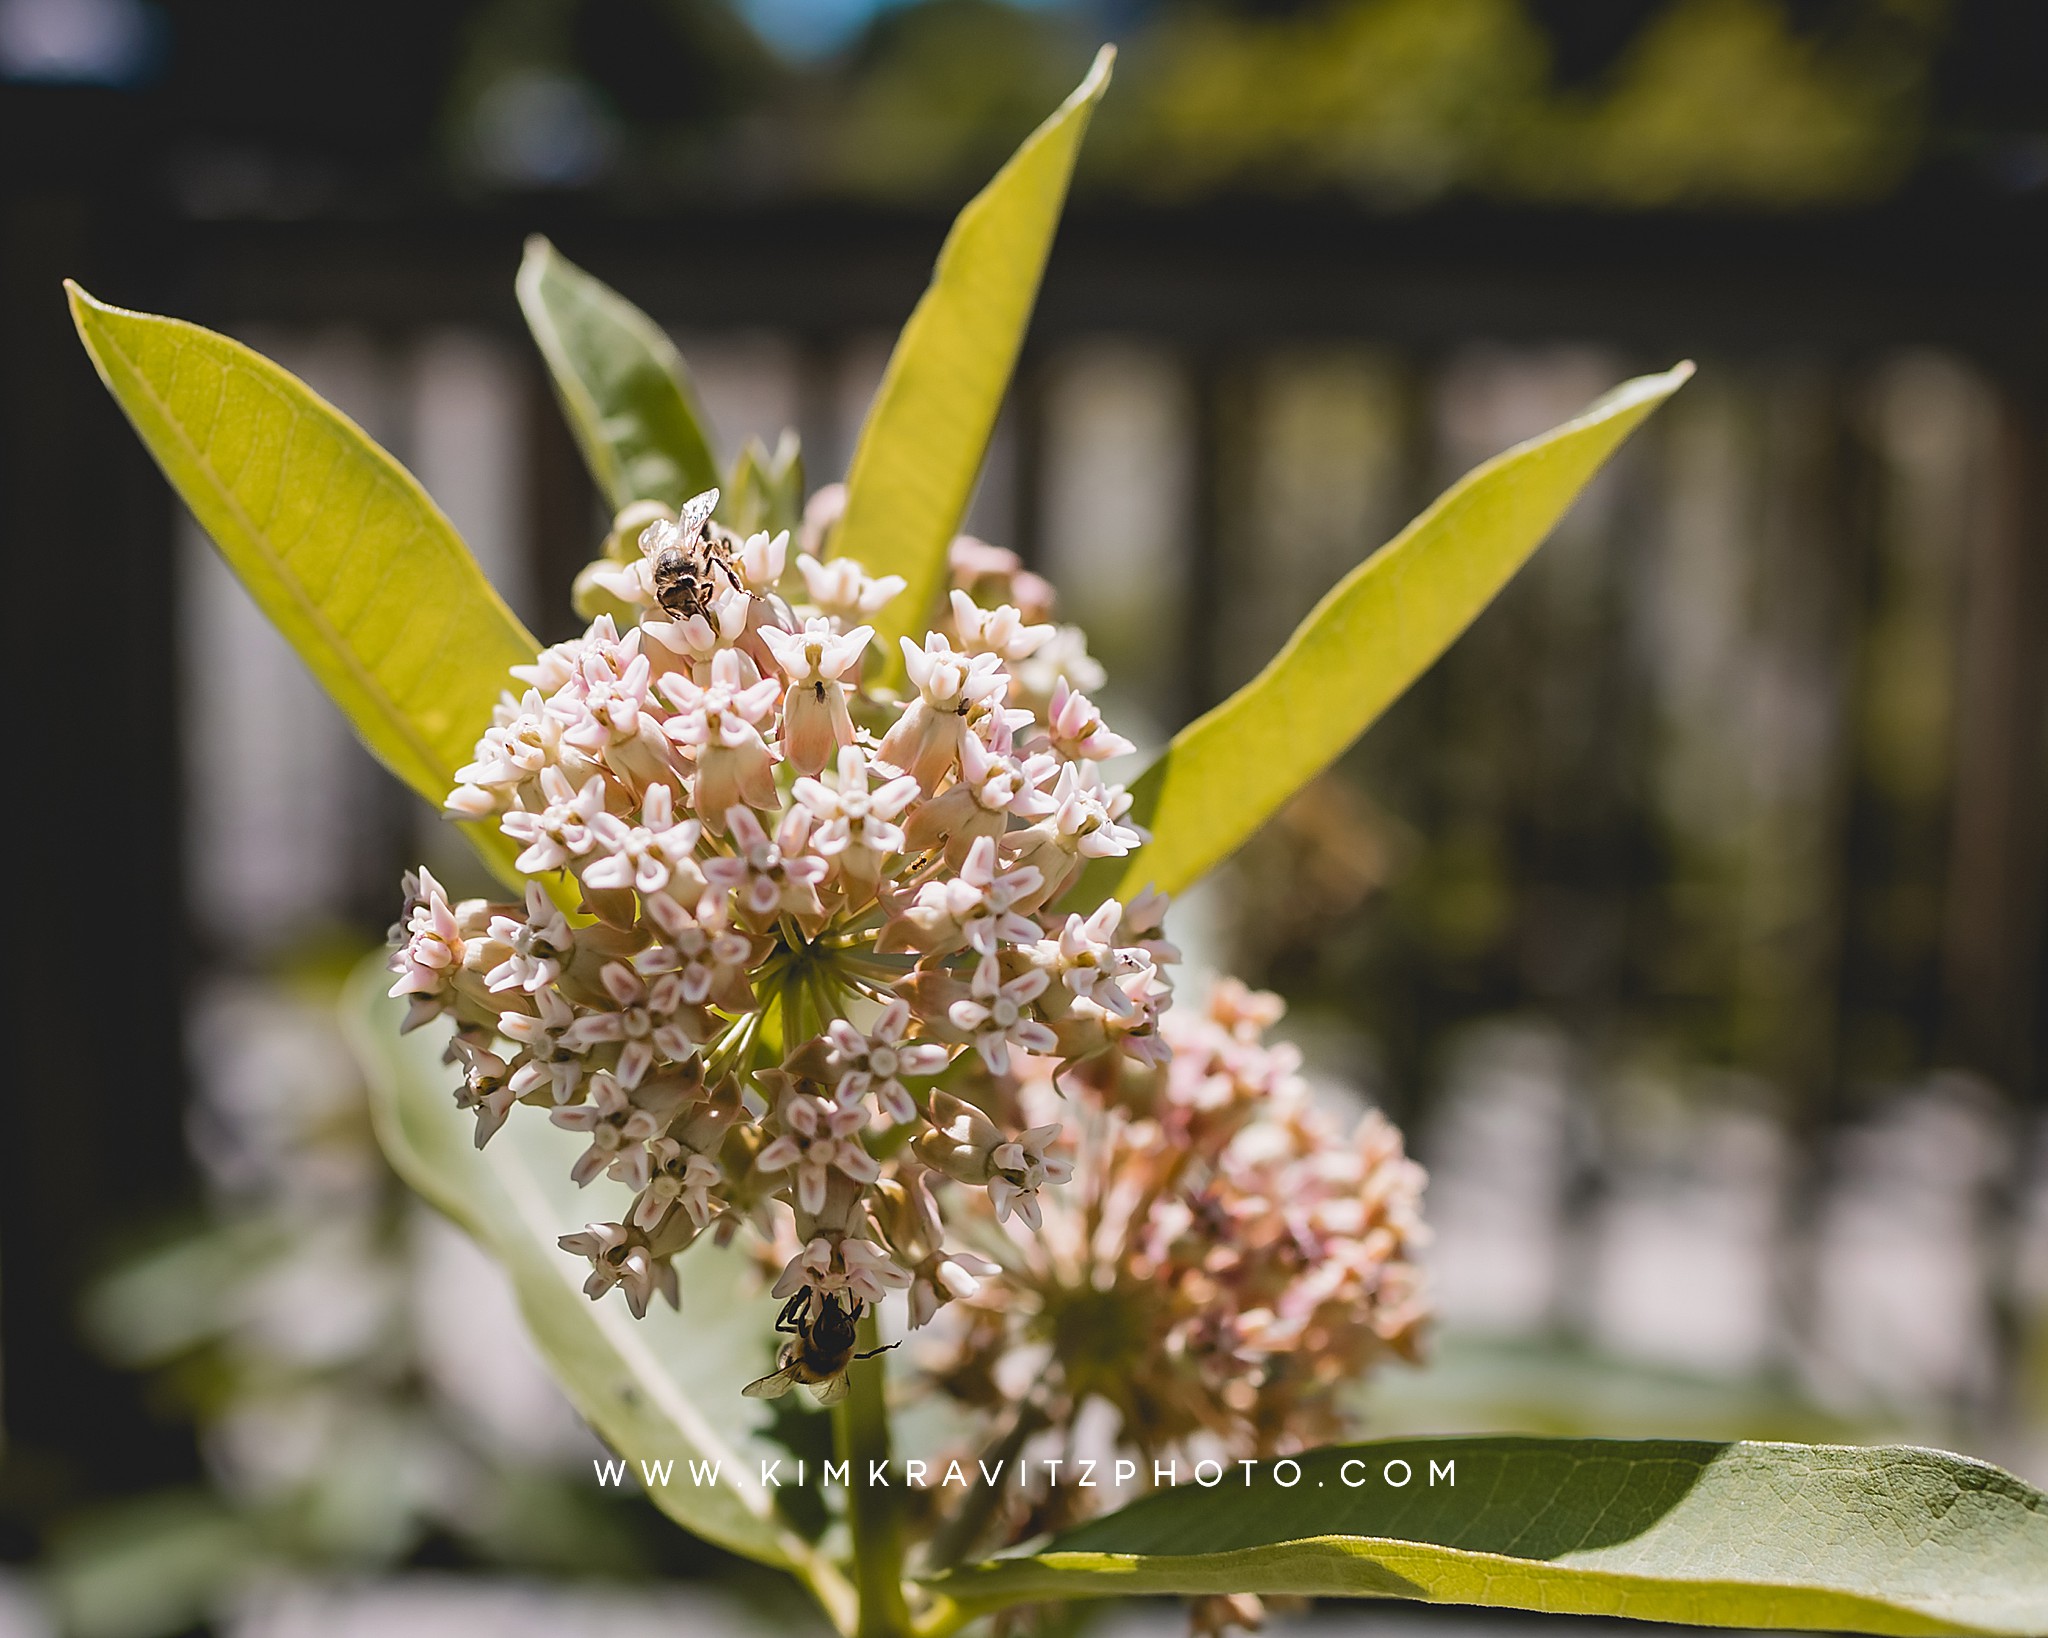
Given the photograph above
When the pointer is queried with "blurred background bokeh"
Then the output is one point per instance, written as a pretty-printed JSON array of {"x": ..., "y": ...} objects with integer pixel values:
[{"x": 1690, "y": 914}]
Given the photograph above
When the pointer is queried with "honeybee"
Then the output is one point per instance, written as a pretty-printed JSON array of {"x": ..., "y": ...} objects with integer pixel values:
[
  {"x": 688, "y": 558},
  {"x": 818, "y": 1353}
]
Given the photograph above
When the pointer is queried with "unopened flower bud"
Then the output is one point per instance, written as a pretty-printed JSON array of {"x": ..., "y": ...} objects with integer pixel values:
[{"x": 960, "y": 1141}]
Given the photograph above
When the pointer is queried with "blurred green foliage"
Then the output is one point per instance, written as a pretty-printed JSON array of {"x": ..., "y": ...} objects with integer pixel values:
[
  {"x": 286, "y": 1324},
  {"x": 1395, "y": 102},
  {"x": 1713, "y": 101}
]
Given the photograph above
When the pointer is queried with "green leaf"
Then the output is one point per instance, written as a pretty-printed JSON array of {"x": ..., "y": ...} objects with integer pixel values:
[
  {"x": 1890, "y": 1540},
  {"x": 621, "y": 382},
  {"x": 153, "y": 1565},
  {"x": 922, "y": 445},
  {"x": 765, "y": 491},
  {"x": 169, "y": 1300},
  {"x": 1371, "y": 636},
  {"x": 662, "y": 1389},
  {"x": 337, "y": 542}
]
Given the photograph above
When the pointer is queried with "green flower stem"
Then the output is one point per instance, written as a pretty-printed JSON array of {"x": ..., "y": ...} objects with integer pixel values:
[
  {"x": 957, "y": 1537},
  {"x": 945, "y": 1618},
  {"x": 860, "y": 1435},
  {"x": 732, "y": 1047}
]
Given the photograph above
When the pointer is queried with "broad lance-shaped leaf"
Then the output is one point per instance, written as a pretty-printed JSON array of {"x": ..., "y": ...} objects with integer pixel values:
[
  {"x": 922, "y": 444},
  {"x": 337, "y": 542},
  {"x": 1888, "y": 1540},
  {"x": 663, "y": 1392},
  {"x": 1371, "y": 636},
  {"x": 621, "y": 383}
]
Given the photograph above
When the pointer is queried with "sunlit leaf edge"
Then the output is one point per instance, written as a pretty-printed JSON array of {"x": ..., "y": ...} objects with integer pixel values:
[
  {"x": 384, "y": 727},
  {"x": 1227, "y": 772},
  {"x": 906, "y": 490},
  {"x": 2005, "y": 1592}
]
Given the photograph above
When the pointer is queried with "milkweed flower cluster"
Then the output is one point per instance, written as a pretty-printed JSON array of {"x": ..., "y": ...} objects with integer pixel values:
[
  {"x": 793, "y": 961},
  {"x": 1224, "y": 1260},
  {"x": 772, "y": 902}
]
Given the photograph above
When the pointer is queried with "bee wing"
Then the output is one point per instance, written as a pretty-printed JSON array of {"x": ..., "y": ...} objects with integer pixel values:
[
  {"x": 832, "y": 1389},
  {"x": 696, "y": 513},
  {"x": 772, "y": 1386},
  {"x": 657, "y": 537}
]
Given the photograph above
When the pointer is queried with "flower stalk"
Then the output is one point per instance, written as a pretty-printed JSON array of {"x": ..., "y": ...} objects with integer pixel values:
[{"x": 860, "y": 1438}]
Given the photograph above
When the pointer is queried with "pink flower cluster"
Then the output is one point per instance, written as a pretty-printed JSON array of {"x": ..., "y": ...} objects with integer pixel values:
[
  {"x": 1224, "y": 1260},
  {"x": 772, "y": 900}
]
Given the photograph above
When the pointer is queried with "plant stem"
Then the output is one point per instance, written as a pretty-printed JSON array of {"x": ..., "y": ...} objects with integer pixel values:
[
  {"x": 860, "y": 1436},
  {"x": 945, "y": 1618},
  {"x": 956, "y": 1539}
]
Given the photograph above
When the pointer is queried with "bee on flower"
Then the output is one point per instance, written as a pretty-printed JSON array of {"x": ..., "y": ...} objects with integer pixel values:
[
  {"x": 772, "y": 904},
  {"x": 796, "y": 965}
]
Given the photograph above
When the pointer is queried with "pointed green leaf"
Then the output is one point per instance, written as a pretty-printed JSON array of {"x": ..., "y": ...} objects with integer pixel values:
[
  {"x": 621, "y": 383},
  {"x": 922, "y": 445},
  {"x": 663, "y": 1390},
  {"x": 1750, "y": 1535},
  {"x": 337, "y": 542},
  {"x": 765, "y": 491},
  {"x": 1372, "y": 635}
]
